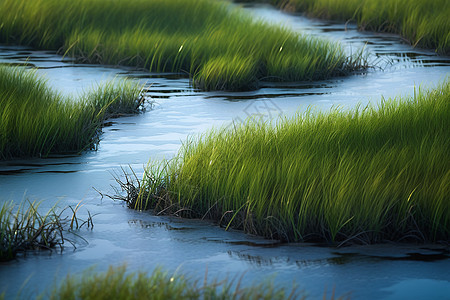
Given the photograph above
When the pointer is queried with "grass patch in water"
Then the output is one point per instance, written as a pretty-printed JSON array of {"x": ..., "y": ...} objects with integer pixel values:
[
  {"x": 35, "y": 121},
  {"x": 117, "y": 283},
  {"x": 423, "y": 23},
  {"x": 23, "y": 228},
  {"x": 216, "y": 44},
  {"x": 367, "y": 175}
]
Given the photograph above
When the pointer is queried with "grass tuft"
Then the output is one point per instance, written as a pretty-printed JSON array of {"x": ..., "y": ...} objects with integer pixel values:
[
  {"x": 35, "y": 121},
  {"x": 119, "y": 97},
  {"x": 23, "y": 228},
  {"x": 367, "y": 175}
]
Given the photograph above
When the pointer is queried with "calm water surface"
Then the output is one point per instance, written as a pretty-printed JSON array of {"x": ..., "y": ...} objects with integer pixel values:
[{"x": 143, "y": 241}]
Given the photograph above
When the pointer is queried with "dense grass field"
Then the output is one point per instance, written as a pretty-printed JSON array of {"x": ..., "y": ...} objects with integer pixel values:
[
  {"x": 424, "y": 23},
  {"x": 217, "y": 45},
  {"x": 118, "y": 284},
  {"x": 35, "y": 121},
  {"x": 367, "y": 175}
]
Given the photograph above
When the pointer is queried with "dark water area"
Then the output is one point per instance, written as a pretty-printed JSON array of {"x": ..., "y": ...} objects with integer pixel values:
[{"x": 143, "y": 241}]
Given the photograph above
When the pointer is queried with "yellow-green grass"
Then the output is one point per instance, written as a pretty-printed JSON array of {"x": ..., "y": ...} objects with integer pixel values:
[
  {"x": 214, "y": 43},
  {"x": 35, "y": 121},
  {"x": 117, "y": 283},
  {"x": 23, "y": 228},
  {"x": 367, "y": 175},
  {"x": 423, "y": 23}
]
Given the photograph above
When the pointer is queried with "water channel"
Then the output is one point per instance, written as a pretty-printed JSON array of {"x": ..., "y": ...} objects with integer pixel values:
[{"x": 143, "y": 241}]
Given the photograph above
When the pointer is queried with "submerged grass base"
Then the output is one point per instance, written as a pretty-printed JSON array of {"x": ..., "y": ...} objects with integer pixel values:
[
  {"x": 216, "y": 45},
  {"x": 36, "y": 122},
  {"x": 367, "y": 175},
  {"x": 423, "y": 23}
]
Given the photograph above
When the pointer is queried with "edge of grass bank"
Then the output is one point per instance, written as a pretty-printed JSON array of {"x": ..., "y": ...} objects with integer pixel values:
[{"x": 422, "y": 23}]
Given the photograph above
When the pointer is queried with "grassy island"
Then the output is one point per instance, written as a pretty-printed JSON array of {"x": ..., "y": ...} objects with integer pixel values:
[
  {"x": 367, "y": 175},
  {"x": 212, "y": 42},
  {"x": 35, "y": 121}
]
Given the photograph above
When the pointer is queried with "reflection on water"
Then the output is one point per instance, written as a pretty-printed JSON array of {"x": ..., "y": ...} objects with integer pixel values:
[
  {"x": 418, "y": 254},
  {"x": 144, "y": 241}
]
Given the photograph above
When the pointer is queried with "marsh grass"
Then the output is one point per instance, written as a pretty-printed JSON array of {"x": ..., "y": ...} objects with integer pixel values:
[
  {"x": 423, "y": 23},
  {"x": 35, "y": 121},
  {"x": 117, "y": 283},
  {"x": 115, "y": 98},
  {"x": 367, "y": 175},
  {"x": 215, "y": 44},
  {"x": 23, "y": 228}
]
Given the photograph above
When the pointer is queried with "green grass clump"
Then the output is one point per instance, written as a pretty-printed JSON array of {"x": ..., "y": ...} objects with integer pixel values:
[
  {"x": 217, "y": 45},
  {"x": 23, "y": 228},
  {"x": 423, "y": 23},
  {"x": 35, "y": 121},
  {"x": 116, "y": 283},
  {"x": 115, "y": 98},
  {"x": 368, "y": 175}
]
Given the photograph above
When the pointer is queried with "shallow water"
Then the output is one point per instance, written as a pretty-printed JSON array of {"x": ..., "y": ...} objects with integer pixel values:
[{"x": 143, "y": 241}]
